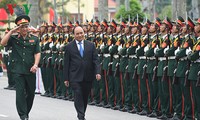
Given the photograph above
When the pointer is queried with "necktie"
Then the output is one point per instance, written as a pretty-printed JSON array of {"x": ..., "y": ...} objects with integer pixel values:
[{"x": 81, "y": 49}]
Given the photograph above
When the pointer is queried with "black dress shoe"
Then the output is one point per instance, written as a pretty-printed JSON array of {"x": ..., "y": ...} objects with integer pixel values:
[
  {"x": 12, "y": 88},
  {"x": 133, "y": 111},
  {"x": 176, "y": 118},
  {"x": 163, "y": 117},
  {"x": 107, "y": 106},
  {"x": 92, "y": 103},
  {"x": 71, "y": 99},
  {"x": 101, "y": 104},
  {"x": 143, "y": 112},
  {"x": 152, "y": 115},
  {"x": 8, "y": 87},
  {"x": 125, "y": 109}
]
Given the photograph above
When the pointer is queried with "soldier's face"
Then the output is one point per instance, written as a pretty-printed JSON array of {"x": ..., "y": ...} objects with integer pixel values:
[
  {"x": 56, "y": 30},
  {"x": 65, "y": 29},
  {"x": 49, "y": 29},
  {"x": 144, "y": 30},
  {"x": 152, "y": 28},
  {"x": 162, "y": 27},
  {"x": 197, "y": 29},
  {"x": 174, "y": 29},
  {"x": 184, "y": 29},
  {"x": 79, "y": 34},
  {"x": 23, "y": 29},
  {"x": 134, "y": 30}
]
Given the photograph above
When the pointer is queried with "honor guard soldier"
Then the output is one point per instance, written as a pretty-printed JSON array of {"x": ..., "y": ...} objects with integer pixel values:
[
  {"x": 154, "y": 42},
  {"x": 23, "y": 62},
  {"x": 172, "y": 64},
  {"x": 43, "y": 37},
  {"x": 6, "y": 60},
  {"x": 164, "y": 83},
  {"x": 194, "y": 74},
  {"x": 183, "y": 65},
  {"x": 141, "y": 69}
]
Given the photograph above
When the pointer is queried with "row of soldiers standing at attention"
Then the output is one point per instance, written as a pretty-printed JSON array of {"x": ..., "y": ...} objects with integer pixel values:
[{"x": 150, "y": 69}]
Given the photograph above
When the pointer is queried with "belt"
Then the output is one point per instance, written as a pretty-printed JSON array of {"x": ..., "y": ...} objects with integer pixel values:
[
  {"x": 106, "y": 55},
  {"x": 132, "y": 56},
  {"x": 197, "y": 61},
  {"x": 183, "y": 59},
  {"x": 151, "y": 58},
  {"x": 9, "y": 51},
  {"x": 172, "y": 57},
  {"x": 47, "y": 51},
  {"x": 54, "y": 51},
  {"x": 116, "y": 56},
  {"x": 5, "y": 53},
  {"x": 123, "y": 56},
  {"x": 142, "y": 57},
  {"x": 162, "y": 58}
]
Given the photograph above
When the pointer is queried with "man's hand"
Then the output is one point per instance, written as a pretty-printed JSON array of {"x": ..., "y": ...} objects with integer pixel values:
[
  {"x": 98, "y": 77},
  {"x": 15, "y": 29},
  {"x": 66, "y": 83},
  {"x": 34, "y": 69}
]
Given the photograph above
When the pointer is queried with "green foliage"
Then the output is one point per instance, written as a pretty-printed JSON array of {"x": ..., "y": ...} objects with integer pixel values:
[
  {"x": 166, "y": 12},
  {"x": 135, "y": 8}
]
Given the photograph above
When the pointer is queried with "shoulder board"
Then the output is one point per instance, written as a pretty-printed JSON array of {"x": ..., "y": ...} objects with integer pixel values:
[
  {"x": 33, "y": 35},
  {"x": 15, "y": 34}
]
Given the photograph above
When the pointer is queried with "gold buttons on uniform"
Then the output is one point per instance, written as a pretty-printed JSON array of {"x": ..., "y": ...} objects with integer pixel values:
[
  {"x": 22, "y": 59},
  {"x": 23, "y": 53},
  {"x": 24, "y": 47}
]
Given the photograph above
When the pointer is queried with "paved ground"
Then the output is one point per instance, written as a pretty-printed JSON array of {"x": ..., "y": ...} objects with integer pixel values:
[{"x": 54, "y": 109}]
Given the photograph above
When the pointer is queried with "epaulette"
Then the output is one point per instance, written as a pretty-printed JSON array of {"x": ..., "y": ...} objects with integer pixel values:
[
  {"x": 15, "y": 33},
  {"x": 33, "y": 35}
]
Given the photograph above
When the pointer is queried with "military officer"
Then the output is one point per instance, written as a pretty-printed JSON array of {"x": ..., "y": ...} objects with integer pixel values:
[{"x": 24, "y": 63}]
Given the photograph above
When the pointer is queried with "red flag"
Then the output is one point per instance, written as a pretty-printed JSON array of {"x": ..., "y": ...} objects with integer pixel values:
[
  {"x": 51, "y": 15},
  {"x": 3, "y": 16},
  {"x": 10, "y": 8}
]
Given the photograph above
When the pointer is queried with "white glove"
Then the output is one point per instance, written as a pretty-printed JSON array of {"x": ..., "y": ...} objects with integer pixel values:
[
  {"x": 188, "y": 51},
  {"x": 110, "y": 47},
  {"x": 137, "y": 48},
  {"x": 58, "y": 45},
  {"x": 51, "y": 45},
  {"x": 119, "y": 47},
  {"x": 102, "y": 45},
  {"x": 146, "y": 48},
  {"x": 175, "y": 52},
  {"x": 165, "y": 50},
  {"x": 155, "y": 49}
]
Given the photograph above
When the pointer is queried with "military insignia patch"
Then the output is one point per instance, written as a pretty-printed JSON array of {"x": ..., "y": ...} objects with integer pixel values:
[{"x": 31, "y": 41}]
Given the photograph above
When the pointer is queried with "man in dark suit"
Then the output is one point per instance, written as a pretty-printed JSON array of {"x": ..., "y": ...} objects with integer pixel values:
[{"x": 81, "y": 67}]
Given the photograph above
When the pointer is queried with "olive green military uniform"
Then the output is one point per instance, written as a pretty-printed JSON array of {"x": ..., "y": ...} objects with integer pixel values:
[
  {"x": 6, "y": 60},
  {"x": 144, "y": 85},
  {"x": 42, "y": 63},
  {"x": 164, "y": 83},
  {"x": 194, "y": 76},
  {"x": 176, "y": 86},
  {"x": 21, "y": 62},
  {"x": 181, "y": 69},
  {"x": 126, "y": 92},
  {"x": 153, "y": 85}
]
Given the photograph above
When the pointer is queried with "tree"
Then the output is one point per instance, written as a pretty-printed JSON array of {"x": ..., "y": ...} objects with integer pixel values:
[
  {"x": 166, "y": 12},
  {"x": 135, "y": 9}
]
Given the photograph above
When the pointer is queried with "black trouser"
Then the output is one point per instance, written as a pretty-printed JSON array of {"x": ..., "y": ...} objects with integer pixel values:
[
  {"x": 25, "y": 93},
  {"x": 81, "y": 92}
]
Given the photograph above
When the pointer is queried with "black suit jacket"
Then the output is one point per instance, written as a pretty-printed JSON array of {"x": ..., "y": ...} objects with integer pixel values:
[{"x": 77, "y": 68}]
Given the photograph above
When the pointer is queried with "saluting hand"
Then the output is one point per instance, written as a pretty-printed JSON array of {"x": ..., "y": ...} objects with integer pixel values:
[
  {"x": 15, "y": 29},
  {"x": 98, "y": 77}
]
